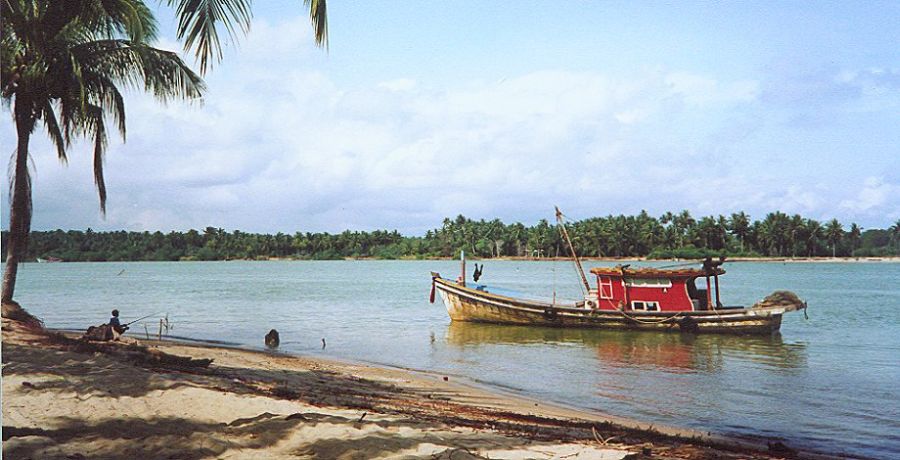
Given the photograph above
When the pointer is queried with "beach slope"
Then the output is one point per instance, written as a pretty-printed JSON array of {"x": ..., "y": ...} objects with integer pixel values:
[{"x": 67, "y": 399}]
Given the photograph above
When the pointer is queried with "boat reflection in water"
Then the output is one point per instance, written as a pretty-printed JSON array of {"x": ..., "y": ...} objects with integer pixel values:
[{"x": 666, "y": 352}]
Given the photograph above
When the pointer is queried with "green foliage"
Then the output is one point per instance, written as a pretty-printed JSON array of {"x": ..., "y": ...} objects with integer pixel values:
[
  {"x": 777, "y": 235},
  {"x": 686, "y": 252}
]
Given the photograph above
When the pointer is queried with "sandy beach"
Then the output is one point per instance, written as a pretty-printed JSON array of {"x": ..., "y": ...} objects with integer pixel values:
[{"x": 67, "y": 399}]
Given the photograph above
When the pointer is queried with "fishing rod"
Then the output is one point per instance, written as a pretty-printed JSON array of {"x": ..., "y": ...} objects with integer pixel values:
[{"x": 142, "y": 317}]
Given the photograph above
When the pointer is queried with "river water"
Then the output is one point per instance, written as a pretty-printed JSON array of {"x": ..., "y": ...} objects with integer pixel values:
[{"x": 830, "y": 383}]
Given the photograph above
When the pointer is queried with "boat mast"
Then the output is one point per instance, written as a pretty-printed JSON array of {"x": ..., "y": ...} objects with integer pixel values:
[
  {"x": 462, "y": 267},
  {"x": 562, "y": 227}
]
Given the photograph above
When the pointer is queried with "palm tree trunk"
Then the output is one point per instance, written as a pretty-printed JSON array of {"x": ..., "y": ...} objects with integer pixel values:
[{"x": 20, "y": 208}]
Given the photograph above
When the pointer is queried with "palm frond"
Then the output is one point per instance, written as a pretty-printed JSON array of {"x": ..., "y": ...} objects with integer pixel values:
[
  {"x": 56, "y": 135},
  {"x": 199, "y": 22},
  {"x": 138, "y": 65},
  {"x": 104, "y": 18},
  {"x": 167, "y": 76},
  {"x": 318, "y": 15}
]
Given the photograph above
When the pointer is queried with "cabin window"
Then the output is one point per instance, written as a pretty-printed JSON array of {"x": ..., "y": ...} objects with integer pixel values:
[
  {"x": 645, "y": 305},
  {"x": 648, "y": 282},
  {"x": 606, "y": 291}
]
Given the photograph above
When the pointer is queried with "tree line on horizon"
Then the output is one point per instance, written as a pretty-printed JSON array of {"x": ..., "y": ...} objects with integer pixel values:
[{"x": 672, "y": 235}]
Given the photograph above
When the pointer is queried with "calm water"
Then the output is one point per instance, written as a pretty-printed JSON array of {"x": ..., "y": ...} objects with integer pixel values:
[{"x": 831, "y": 382}]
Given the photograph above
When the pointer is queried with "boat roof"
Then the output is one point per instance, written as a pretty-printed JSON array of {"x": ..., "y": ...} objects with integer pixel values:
[{"x": 649, "y": 272}]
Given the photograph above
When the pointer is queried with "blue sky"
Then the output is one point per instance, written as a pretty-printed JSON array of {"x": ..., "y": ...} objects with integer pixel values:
[{"x": 423, "y": 110}]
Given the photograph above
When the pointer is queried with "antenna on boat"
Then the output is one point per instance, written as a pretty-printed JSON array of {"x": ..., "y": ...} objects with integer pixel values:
[{"x": 565, "y": 233}]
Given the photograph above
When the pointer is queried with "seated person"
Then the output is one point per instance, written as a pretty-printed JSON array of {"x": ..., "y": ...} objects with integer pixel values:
[{"x": 115, "y": 324}]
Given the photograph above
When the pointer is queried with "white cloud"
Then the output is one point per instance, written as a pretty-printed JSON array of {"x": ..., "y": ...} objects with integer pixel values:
[
  {"x": 874, "y": 194},
  {"x": 400, "y": 84},
  {"x": 278, "y": 145}
]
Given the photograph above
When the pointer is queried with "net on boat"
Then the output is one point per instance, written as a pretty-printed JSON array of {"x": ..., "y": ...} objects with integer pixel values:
[{"x": 783, "y": 299}]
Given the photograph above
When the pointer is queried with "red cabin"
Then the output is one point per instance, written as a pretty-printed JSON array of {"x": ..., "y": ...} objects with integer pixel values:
[{"x": 653, "y": 289}]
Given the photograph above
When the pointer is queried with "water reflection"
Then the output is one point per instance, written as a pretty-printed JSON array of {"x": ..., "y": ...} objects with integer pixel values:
[{"x": 661, "y": 351}]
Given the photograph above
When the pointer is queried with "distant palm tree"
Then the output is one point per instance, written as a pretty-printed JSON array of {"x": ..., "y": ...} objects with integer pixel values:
[
  {"x": 739, "y": 224},
  {"x": 854, "y": 236},
  {"x": 63, "y": 63},
  {"x": 684, "y": 225},
  {"x": 813, "y": 235},
  {"x": 895, "y": 232},
  {"x": 666, "y": 218},
  {"x": 794, "y": 226},
  {"x": 834, "y": 232}
]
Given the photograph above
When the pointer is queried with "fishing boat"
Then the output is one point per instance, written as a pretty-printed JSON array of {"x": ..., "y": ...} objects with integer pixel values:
[
  {"x": 623, "y": 297},
  {"x": 48, "y": 260}
]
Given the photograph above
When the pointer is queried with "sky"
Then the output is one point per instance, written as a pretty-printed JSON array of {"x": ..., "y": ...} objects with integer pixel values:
[{"x": 424, "y": 110}]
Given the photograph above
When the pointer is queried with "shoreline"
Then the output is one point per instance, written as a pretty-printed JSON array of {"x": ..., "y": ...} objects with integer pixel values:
[
  {"x": 405, "y": 397},
  {"x": 766, "y": 259}
]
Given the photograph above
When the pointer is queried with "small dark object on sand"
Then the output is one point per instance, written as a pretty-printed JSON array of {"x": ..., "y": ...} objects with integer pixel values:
[{"x": 272, "y": 339}]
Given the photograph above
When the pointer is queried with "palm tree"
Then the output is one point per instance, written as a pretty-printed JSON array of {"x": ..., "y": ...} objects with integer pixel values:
[
  {"x": 794, "y": 225},
  {"x": 706, "y": 232},
  {"x": 722, "y": 232},
  {"x": 813, "y": 235},
  {"x": 895, "y": 232},
  {"x": 740, "y": 226},
  {"x": 63, "y": 64},
  {"x": 854, "y": 236},
  {"x": 684, "y": 225},
  {"x": 834, "y": 232},
  {"x": 70, "y": 58}
]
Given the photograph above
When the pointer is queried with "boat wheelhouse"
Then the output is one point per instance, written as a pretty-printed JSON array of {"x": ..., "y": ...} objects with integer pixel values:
[{"x": 656, "y": 290}]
